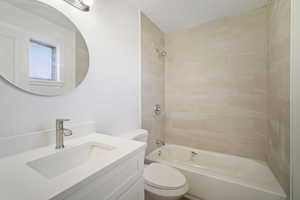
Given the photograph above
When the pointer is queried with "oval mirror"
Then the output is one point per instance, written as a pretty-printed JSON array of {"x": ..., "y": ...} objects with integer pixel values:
[{"x": 41, "y": 50}]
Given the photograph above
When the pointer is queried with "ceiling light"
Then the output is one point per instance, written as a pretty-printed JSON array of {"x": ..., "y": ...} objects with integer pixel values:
[{"x": 83, "y": 5}]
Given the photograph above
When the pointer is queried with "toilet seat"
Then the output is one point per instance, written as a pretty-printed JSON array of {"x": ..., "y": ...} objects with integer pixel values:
[
  {"x": 167, "y": 193},
  {"x": 164, "y": 181},
  {"x": 163, "y": 177}
]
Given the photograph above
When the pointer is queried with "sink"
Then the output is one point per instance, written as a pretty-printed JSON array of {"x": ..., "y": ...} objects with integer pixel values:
[{"x": 67, "y": 159}]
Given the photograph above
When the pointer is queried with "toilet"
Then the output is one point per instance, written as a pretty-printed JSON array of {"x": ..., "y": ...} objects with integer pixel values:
[{"x": 161, "y": 181}]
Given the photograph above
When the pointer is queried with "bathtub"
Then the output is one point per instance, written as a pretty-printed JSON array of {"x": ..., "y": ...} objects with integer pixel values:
[{"x": 216, "y": 176}]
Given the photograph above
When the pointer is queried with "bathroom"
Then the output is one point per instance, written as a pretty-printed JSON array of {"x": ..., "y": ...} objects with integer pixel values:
[{"x": 154, "y": 100}]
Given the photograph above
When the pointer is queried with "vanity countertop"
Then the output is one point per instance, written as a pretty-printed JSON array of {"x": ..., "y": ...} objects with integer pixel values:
[{"x": 19, "y": 181}]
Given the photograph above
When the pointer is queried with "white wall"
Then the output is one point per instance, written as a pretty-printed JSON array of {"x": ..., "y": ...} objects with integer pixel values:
[{"x": 109, "y": 95}]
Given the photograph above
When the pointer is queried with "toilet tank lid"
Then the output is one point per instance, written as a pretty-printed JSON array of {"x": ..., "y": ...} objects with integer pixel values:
[{"x": 135, "y": 134}]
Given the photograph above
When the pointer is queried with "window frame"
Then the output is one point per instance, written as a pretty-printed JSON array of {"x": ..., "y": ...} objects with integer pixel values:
[{"x": 54, "y": 67}]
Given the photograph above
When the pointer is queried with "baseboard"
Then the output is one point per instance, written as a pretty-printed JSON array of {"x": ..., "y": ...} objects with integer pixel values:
[{"x": 191, "y": 197}]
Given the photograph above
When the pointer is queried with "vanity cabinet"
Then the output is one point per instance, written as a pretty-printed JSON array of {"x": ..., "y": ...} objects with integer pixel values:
[
  {"x": 121, "y": 182},
  {"x": 136, "y": 192}
]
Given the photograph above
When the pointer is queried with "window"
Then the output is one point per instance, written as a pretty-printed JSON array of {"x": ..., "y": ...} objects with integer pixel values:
[{"x": 42, "y": 61}]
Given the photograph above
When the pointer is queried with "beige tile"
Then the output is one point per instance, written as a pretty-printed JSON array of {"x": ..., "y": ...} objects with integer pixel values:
[
  {"x": 216, "y": 85},
  {"x": 152, "y": 80},
  {"x": 279, "y": 56},
  {"x": 224, "y": 86}
]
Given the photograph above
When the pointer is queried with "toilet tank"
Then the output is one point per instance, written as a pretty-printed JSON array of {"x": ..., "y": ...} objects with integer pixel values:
[{"x": 140, "y": 135}]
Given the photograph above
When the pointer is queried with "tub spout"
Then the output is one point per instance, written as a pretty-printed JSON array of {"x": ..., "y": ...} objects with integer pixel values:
[
  {"x": 160, "y": 143},
  {"x": 193, "y": 155}
]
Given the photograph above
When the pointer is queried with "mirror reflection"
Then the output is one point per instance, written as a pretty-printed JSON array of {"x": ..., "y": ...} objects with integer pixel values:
[{"x": 41, "y": 50}]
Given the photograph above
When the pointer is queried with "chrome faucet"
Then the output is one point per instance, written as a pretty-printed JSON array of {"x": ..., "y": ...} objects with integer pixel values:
[
  {"x": 160, "y": 143},
  {"x": 194, "y": 154},
  {"x": 61, "y": 132}
]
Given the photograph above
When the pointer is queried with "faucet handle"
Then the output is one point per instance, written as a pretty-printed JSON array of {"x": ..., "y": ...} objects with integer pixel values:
[
  {"x": 67, "y": 132},
  {"x": 160, "y": 143},
  {"x": 63, "y": 120}
]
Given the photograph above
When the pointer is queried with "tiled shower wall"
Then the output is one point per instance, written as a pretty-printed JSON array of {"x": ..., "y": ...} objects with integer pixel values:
[
  {"x": 226, "y": 85},
  {"x": 216, "y": 85},
  {"x": 279, "y": 105},
  {"x": 152, "y": 80}
]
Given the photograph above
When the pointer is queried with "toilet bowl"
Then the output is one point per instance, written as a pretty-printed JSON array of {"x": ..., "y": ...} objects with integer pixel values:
[
  {"x": 161, "y": 181},
  {"x": 164, "y": 183}
]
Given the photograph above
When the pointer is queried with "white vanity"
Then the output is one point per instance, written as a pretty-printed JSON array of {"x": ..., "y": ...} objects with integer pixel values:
[{"x": 93, "y": 167}]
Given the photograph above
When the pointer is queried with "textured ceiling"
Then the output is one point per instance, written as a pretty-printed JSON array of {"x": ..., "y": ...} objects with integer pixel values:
[{"x": 173, "y": 15}]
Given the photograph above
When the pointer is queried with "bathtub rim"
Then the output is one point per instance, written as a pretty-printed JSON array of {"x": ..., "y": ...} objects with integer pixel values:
[{"x": 205, "y": 172}]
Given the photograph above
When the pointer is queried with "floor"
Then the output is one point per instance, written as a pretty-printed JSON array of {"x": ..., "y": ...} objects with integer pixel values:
[{"x": 183, "y": 198}]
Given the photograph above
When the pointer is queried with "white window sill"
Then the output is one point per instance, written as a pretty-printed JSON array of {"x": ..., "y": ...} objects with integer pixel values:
[{"x": 45, "y": 83}]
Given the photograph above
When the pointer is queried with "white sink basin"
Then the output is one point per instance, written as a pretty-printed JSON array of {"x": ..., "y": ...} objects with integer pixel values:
[{"x": 67, "y": 159}]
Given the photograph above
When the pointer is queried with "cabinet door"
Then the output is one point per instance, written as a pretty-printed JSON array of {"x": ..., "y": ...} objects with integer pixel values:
[
  {"x": 111, "y": 184},
  {"x": 136, "y": 192}
]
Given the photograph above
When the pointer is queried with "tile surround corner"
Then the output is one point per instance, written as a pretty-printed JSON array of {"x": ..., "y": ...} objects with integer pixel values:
[
  {"x": 152, "y": 80},
  {"x": 278, "y": 148}
]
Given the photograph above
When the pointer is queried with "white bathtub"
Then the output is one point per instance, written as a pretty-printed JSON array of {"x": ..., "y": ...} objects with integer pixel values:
[{"x": 216, "y": 176}]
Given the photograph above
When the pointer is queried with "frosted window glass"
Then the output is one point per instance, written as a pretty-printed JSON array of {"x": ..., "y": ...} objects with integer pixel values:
[{"x": 42, "y": 61}]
